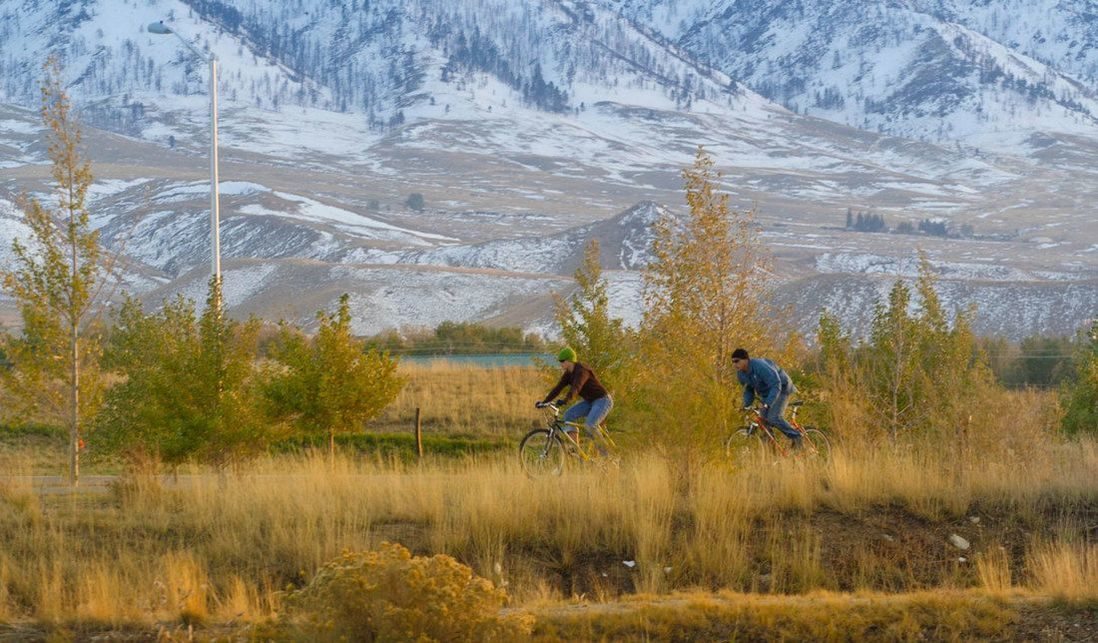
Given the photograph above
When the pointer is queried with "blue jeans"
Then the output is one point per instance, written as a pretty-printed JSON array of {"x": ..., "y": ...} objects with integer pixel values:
[
  {"x": 595, "y": 412},
  {"x": 774, "y": 417}
]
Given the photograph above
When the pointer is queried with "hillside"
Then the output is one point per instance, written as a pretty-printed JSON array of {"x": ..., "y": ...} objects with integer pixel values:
[{"x": 530, "y": 128}]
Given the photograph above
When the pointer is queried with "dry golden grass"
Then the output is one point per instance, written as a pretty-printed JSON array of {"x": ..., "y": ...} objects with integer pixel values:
[
  {"x": 939, "y": 616},
  {"x": 22, "y": 455},
  {"x": 457, "y": 398},
  {"x": 216, "y": 549},
  {"x": 993, "y": 568},
  {"x": 221, "y": 549},
  {"x": 1065, "y": 570}
]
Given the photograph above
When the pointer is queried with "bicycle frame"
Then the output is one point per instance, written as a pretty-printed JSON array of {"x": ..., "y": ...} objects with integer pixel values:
[
  {"x": 757, "y": 421},
  {"x": 572, "y": 437}
]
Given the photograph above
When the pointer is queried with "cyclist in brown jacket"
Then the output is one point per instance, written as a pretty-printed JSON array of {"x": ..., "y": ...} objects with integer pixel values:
[{"x": 595, "y": 401}]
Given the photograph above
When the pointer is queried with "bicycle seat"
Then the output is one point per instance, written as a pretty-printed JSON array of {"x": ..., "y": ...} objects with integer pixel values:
[{"x": 794, "y": 405}]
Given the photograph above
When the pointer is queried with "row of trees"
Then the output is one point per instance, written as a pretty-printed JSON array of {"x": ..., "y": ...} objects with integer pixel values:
[
  {"x": 874, "y": 223},
  {"x": 172, "y": 385},
  {"x": 865, "y": 222},
  {"x": 193, "y": 386},
  {"x": 870, "y": 222},
  {"x": 458, "y": 338},
  {"x": 920, "y": 375},
  {"x": 702, "y": 298}
]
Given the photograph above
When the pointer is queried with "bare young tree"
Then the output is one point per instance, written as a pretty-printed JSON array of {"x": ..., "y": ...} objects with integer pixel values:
[{"x": 56, "y": 280}]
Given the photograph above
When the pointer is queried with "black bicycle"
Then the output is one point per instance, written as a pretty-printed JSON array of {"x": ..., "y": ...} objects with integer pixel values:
[{"x": 545, "y": 451}]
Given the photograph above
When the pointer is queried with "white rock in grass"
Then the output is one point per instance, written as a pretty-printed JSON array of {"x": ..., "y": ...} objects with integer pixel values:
[
  {"x": 958, "y": 542},
  {"x": 629, "y": 563}
]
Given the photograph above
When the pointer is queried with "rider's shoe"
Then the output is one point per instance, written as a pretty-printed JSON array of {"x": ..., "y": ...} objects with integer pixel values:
[{"x": 798, "y": 443}]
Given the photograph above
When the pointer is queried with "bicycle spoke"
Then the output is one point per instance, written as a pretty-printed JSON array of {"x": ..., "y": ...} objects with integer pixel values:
[
  {"x": 740, "y": 446},
  {"x": 541, "y": 453},
  {"x": 816, "y": 445}
]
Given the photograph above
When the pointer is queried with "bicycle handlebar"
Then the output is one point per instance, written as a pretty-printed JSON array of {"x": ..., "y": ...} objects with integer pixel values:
[{"x": 552, "y": 406}]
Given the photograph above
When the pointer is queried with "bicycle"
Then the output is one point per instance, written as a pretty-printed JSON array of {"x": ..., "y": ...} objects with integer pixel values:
[
  {"x": 545, "y": 451},
  {"x": 758, "y": 434}
]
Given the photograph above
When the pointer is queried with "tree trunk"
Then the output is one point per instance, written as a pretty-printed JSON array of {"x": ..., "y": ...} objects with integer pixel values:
[
  {"x": 332, "y": 446},
  {"x": 74, "y": 409}
]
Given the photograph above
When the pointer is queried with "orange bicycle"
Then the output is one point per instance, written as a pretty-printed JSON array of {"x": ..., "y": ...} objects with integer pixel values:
[{"x": 758, "y": 435}]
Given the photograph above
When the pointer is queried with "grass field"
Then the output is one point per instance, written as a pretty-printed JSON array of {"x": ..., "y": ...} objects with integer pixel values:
[
  {"x": 457, "y": 398},
  {"x": 868, "y": 543}
]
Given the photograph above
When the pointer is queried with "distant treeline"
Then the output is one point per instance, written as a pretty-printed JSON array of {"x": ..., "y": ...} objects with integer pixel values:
[
  {"x": 865, "y": 222},
  {"x": 458, "y": 338},
  {"x": 1039, "y": 361},
  {"x": 870, "y": 222}
]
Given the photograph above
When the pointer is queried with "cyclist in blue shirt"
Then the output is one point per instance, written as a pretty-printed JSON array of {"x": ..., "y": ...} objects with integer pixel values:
[{"x": 764, "y": 379}]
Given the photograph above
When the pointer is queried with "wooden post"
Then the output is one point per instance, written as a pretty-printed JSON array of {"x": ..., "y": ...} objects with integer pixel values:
[{"x": 419, "y": 434}]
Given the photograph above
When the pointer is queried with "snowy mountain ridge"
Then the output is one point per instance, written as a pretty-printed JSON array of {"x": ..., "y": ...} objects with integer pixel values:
[
  {"x": 988, "y": 74},
  {"x": 531, "y": 127}
]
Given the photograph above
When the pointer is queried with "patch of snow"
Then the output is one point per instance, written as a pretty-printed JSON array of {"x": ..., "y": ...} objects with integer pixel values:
[{"x": 19, "y": 127}]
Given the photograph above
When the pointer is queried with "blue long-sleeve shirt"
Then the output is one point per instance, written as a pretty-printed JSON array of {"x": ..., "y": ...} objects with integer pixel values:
[{"x": 765, "y": 379}]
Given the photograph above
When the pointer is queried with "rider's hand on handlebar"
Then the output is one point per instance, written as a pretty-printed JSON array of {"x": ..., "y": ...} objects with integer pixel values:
[
  {"x": 540, "y": 405},
  {"x": 560, "y": 404}
]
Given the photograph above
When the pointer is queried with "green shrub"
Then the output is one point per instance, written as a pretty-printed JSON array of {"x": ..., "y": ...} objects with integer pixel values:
[
  {"x": 390, "y": 595},
  {"x": 415, "y": 201},
  {"x": 1080, "y": 396}
]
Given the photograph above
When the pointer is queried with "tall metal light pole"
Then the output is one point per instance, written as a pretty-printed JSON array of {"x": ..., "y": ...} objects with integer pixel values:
[{"x": 215, "y": 217}]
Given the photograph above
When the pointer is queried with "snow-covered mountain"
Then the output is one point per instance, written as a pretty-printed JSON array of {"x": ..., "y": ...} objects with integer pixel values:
[
  {"x": 991, "y": 74},
  {"x": 391, "y": 61},
  {"x": 530, "y": 127}
]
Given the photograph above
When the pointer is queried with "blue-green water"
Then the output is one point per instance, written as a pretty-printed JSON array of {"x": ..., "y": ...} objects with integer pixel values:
[{"x": 491, "y": 360}]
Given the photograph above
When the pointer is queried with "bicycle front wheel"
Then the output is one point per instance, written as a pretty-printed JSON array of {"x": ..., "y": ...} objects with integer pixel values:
[
  {"x": 816, "y": 444},
  {"x": 742, "y": 443},
  {"x": 541, "y": 454}
]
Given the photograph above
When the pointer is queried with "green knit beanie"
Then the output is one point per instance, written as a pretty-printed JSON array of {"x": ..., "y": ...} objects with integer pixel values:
[{"x": 566, "y": 354}]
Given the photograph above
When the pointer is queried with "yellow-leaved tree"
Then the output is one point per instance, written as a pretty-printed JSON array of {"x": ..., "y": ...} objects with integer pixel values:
[
  {"x": 705, "y": 295},
  {"x": 601, "y": 340},
  {"x": 919, "y": 376},
  {"x": 56, "y": 280}
]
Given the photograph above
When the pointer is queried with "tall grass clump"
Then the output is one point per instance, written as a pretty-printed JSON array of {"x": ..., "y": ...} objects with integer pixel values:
[
  {"x": 993, "y": 569},
  {"x": 1066, "y": 570}
]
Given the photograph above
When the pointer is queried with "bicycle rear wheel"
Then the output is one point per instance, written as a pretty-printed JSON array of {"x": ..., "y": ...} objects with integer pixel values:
[
  {"x": 816, "y": 444},
  {"x": 541, "y": 454},
  {"x": 742, "y": 443}
]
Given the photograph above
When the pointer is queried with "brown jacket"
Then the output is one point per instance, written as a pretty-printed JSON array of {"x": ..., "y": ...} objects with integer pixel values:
[{"x": 583, "y": 381}]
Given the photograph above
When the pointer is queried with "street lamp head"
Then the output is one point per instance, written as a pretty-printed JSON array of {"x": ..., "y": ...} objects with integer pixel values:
[{"x": 159, "y": 28}]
